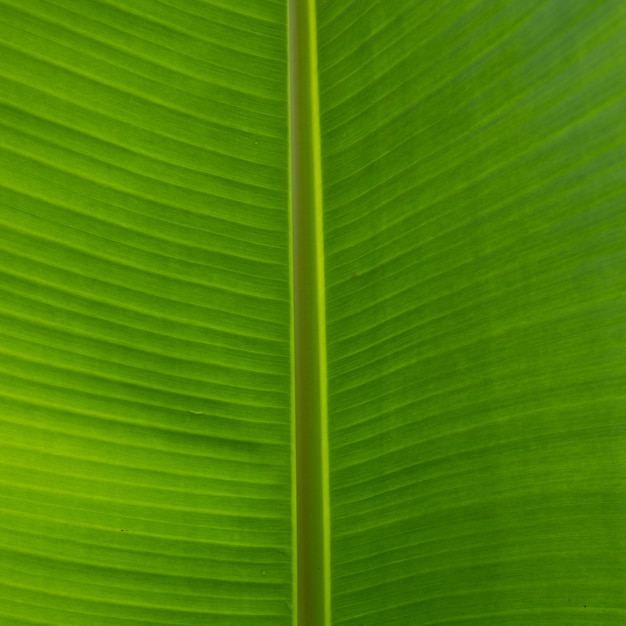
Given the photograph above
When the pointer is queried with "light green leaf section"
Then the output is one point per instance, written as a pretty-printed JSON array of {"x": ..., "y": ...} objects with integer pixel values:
[
  {"x": 145, "y": 313},
  {"x": 474, "y": 190}
]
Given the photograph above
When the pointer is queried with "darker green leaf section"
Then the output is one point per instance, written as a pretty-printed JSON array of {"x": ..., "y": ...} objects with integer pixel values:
[{"x": 473, "y": 164}]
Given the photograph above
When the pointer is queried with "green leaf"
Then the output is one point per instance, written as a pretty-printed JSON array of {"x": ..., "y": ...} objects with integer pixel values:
[
  {"x": 146, "y": 387},
  {"x": 474, "y": 217},
  {"x": 409, "y": 410}
]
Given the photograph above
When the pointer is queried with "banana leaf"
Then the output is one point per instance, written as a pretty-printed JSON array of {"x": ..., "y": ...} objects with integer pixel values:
[{"x": 312, "y": 312}]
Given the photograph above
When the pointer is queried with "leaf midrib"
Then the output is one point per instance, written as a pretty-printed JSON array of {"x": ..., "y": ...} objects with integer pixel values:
[{"x": 312, "y": 517}]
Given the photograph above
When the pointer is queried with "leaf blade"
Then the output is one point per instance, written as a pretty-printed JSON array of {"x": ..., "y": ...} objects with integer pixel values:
[
  {"x": 474, "y": 244},
  {"x": 145, "y": 366}
]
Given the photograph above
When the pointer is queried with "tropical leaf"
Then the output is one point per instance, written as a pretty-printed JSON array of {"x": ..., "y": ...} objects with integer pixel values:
[
  {"x": 146, "y": 387},
  {"x": 410, "y": 410},
  {"x": 474, "y": 189}
]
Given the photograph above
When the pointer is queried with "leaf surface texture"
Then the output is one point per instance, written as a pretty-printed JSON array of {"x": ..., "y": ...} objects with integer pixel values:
[
  {"x": 145, "y": 391},
  {"x": 472, "y": 171},
  {"x": 473, "y": 164}
]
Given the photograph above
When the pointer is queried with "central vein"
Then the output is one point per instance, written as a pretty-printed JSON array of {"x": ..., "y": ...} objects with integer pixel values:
[{"x": 313, "y": 519}]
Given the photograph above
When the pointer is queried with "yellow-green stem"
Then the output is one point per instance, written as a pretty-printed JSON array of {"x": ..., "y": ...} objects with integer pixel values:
[{"x": 313, "y": 549}]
